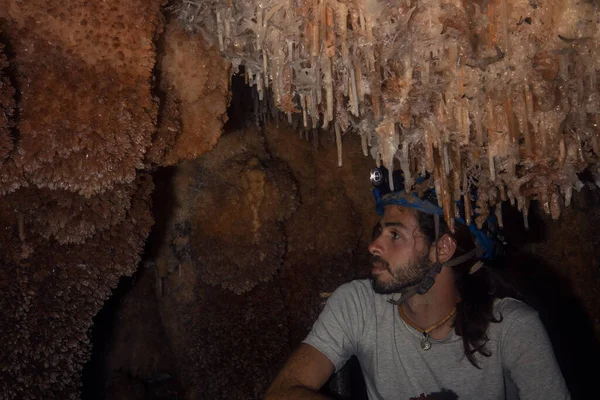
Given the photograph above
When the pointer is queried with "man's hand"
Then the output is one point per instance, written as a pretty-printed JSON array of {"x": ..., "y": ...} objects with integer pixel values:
[{"x": 302, "y": 376}]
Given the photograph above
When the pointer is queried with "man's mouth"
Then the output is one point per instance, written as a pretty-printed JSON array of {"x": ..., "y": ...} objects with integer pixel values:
[
  {"x": 378, "y": 269},
  {"x": 379, "y": 265}
]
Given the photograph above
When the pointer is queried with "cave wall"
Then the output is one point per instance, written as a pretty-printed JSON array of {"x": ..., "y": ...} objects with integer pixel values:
[
  {"x": 262, "y": 229},
  {"x": 82, "y": 122},
  {"x": 75, "y": 212},
  {"x": 556, "y": 265}
]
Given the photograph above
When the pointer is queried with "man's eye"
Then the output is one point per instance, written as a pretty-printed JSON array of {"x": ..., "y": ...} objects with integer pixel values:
[{"x": 395, "y": 235}]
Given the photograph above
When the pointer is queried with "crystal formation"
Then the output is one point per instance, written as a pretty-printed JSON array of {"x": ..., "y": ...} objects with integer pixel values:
[{"x": 495, "y": 99}]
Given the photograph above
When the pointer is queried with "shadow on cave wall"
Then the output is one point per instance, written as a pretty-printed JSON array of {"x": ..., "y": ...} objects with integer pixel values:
[
  {"x": 97, "y": 375},
  {"x": 568, "y": 325},
  {"x": 541, "y": 278},
  {"x": 240, "y": 112},
  {"x": 555, "y": 266}
]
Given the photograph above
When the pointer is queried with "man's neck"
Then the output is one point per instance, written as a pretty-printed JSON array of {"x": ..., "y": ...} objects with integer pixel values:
[{"x": 428, "y": 309}]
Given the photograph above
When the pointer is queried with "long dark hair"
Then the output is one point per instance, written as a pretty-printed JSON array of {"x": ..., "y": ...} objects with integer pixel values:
[{"x": 477, "y": 291}]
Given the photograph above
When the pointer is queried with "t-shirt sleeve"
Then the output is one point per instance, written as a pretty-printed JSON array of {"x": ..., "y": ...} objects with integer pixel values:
[
  {"x": 528, "y": 356},
  {"x": 335, "y": 333}
]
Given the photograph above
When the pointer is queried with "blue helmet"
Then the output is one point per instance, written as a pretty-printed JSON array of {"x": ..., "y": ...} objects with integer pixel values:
[{"x": 489, "y": 241}]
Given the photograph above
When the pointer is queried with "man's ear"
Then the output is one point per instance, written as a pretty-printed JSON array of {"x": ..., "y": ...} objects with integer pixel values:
[{"x": 446, "y": 246}]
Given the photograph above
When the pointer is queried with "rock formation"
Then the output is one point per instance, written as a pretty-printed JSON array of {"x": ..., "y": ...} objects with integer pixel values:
[{"x": 493, "y": 98}]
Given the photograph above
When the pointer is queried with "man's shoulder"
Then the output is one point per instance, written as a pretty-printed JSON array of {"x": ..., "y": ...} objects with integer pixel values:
[
  {"x": 357, "y": 287},
  {"x": 358, "y": 291},
  {"x": 514, "y": 314},
  {"x": 511, "y": 308}
]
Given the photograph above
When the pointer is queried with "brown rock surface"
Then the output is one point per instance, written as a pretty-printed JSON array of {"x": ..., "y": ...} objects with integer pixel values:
[
  {"x": 194, "y": 81},
  {"x": 247, "y": 259},
  {"x": 83, "y": 72},
  {"x": 69, "y": 217},
  {"x": 328, "y": 234},
  {"x": 7, "y": 106},
  {"x": 225, "y": 238},
  {"x": 74, "y": 212},
  {"x": 50, "y": 294}
]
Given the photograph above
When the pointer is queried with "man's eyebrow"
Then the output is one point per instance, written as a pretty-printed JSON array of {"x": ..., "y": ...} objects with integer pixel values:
[{"x": 398, "y": 224}]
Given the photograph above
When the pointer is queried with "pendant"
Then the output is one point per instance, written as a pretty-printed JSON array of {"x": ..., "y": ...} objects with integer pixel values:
[{"x": 425, "y": 343}]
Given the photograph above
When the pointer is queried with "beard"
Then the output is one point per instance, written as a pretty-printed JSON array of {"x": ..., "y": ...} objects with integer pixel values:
[{"x": 400, "y": 277}]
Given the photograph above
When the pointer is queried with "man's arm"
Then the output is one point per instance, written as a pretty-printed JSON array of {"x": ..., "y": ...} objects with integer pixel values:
[{"x": 302, "y": 376}]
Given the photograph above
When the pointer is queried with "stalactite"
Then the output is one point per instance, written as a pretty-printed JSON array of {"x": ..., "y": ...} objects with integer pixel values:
[
  {"x": 338, "y": 142},
  {"x": 483, "y": 80}
]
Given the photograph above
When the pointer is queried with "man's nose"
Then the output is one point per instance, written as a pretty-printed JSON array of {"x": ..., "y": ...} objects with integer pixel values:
[{"x": 375, "y": 247}]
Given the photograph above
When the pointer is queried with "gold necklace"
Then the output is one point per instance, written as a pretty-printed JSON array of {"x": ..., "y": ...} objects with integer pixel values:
[{"x": 425, "y": 343}]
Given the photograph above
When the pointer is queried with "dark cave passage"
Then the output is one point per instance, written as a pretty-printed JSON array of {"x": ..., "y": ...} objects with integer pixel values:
[
  {"x": 95, "y": 373},
  {"x": 535, "y": 266},
  {"x": 99, "y": 381},
  {"x": 242, "y": 106}
]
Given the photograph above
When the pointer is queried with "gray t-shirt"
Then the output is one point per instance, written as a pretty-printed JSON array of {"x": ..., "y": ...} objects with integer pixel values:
[{"x": 357, "y": 321}]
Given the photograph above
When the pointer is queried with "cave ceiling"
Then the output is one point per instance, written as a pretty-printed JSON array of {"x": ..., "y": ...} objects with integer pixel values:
[{"x": 501, "y": 96}]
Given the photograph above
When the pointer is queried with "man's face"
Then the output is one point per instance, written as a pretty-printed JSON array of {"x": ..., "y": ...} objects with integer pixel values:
[{"x": 400, "y": 251}]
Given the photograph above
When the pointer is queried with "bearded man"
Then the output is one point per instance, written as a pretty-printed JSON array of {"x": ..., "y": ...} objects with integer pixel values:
[{"x": 428, "y": 322}]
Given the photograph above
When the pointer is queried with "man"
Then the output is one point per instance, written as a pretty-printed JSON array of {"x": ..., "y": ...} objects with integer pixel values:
[{"x": 427, "y": 324}]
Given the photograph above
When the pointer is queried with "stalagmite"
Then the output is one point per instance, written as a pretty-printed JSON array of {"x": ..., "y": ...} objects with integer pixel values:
[
  {"x": 525, "y": 118},
  {"x": 568, "y": 196},
  {"x": 498, "y": 212},
  {"x": 526, "y": 215},
  {"x": 464, "y": 124},
  {"x": 316, "y": 44},
  {"x": 228, "y": 27},
  {"x": 492, "y": 142},
  {"x": 265, "y": 69},
  {"x": 507, "y": 48},
  {"x": 259, "y": 24},
  {"x": 437, "y": 185},
  {"x": 259, "y": 87},
  {"x": 555, "y": 205},
  {"x": 446, "y": 158}
]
